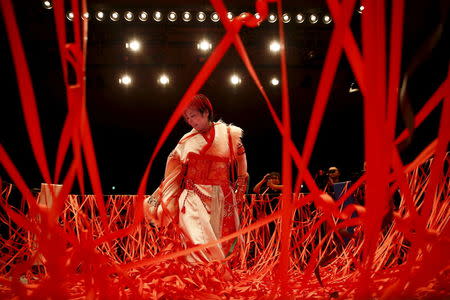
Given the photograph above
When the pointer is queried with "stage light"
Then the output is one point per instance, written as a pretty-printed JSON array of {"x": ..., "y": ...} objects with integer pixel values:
[
  {"x": 235, "y": 79},
  {"x": 215, "y": 17},
  {"x": 272, "y": 18},
  {"x": 299, "y": 18},
  {"x": 230, "y": 15},
  {"x": 129, "y": 16},
  {"x": 85, "y": 16},
  {"x": 47, "y": 4},
  {"x": 274, "y": 81},
  {"x": 125, "y": 80},
  {"x": 257, "y": 16},
  {"x": 187, "y": 16},
  {"x": 69, "y": 15},
  {"x": 100, "y": 16},
  {"x": 114, "y": 16},
  {"x": 201, "y": 16},
  {"x": 361, "y": 8},
  {"x": 143, "y": 16},
  {"x": 133, "y": 45},
  {"x": 204, "y": 46},
  {"x": 313, "y": 19},
  {"x": 353, "y": 87},
  {"x": 243, "y": 15},
  {"x": 286, "y": 18},
  {"x": 163, "y": 79},
  {"x": 274, "y": 46},
  {"x": 326, "y": 19},
  {"x": 157, "y": 16},
  {"x": 172, "y": 16}
]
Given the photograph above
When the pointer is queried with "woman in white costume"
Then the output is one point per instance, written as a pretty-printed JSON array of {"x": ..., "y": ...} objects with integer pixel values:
[{"x": 205, "y": 179}]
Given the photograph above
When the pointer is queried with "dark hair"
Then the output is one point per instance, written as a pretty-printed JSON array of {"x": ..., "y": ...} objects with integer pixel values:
[
  {"x": 201, "y": 103},
  {"x": 274, "y": 175}
]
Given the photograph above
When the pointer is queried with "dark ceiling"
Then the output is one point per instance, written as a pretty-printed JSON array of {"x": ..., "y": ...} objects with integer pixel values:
[{"x": 126, "y": 121}]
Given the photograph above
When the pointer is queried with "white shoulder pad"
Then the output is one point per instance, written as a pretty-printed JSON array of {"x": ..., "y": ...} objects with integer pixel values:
[{"x": 236, "y": 133}]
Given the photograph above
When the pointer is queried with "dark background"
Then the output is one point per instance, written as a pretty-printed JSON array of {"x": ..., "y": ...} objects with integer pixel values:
[{"x": 127, "y": 121}]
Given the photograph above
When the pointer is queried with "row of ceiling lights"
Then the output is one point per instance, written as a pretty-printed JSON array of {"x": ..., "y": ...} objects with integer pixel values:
[
  {"x": 164, "y": 80},
  {"x": 203, "y": 46},
  {"x": 188, "y": 16},
  {"x": 200, "y": 16}
]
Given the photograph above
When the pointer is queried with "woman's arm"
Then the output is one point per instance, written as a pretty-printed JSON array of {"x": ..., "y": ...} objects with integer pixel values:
[
  {"x": 277, "y": 187},
  {"x": 257, "y": 187},
  {"x": 162, "y": 206},
  {"x": 242, "y": 181},
  {"x": 171, "y": 186}
]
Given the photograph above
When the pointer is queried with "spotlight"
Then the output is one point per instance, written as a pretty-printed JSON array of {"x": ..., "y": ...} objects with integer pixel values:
[
  {"x": 353, "y": 87},
  {"x": 361, "y": 8},
  {"x": 47, "y": 4},
  {"x": 204, "y": 46},
  {"x": 201, "y": 16},
  {"x": 85, "y": 16},
  {"x": 157, "y": 16},
  {"x": 272, "y": 18},
  {"x": 274, "y": 81},
  {"x": 69, "y": 15},
  {"x": 215, "y": 17},
  {"x": 133, "y": 45},
  {"x": 100, "y": 16},
  {"x": 114, "y": 16},
  {"x": 274, "y": 46},
  {"x": 326, "y": 19},
  {"x": 230, "y": 15},
  {"x": 163, "y": 79},
  {"x": 129, "y": 16},
  {"x": 257, "y": 16},
  {"x": 299, "y": 18},
  {"x": 311, "y": 54},
  {"x": 313, "y": 19},
  {"x": 243, "y": 15},
  {"x": 172, "y": 16},
  {"x": 187, "y": 16},
  {"x": 125, "y": 80},
  {"x": 286, "y": 18},
  {"x": 235, "y": 79},
  {"x": 143, "y": 16}
]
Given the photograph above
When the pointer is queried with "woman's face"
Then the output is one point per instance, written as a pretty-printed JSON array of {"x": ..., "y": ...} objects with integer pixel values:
[
  {"x": 199, "y": 121},
  {"x": 274, "y": 180}
]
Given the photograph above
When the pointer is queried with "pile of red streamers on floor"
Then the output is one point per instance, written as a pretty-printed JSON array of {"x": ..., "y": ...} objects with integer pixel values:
[
  {"x": 97, "y": 246},
  {"x": 69, "y": 257}
]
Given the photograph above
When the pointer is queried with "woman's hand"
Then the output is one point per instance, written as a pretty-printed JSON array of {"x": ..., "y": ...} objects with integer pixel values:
[{"x": 150, "y": 209}]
